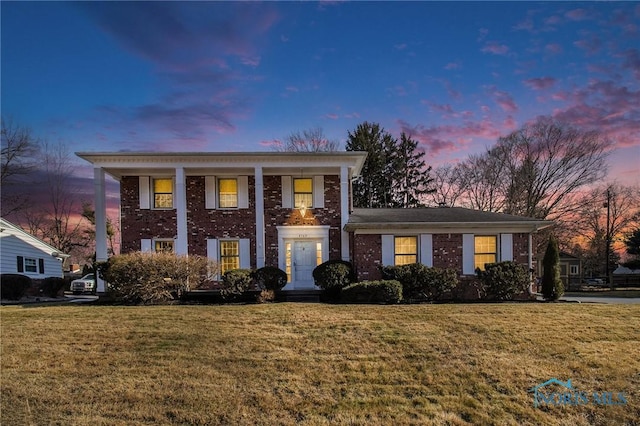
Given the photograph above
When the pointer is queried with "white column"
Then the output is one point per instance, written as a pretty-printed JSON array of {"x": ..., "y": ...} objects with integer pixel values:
[
  {"x": 532, "y": 277},
  {"x": 344, "y": 211},
  {"x": 101, "y": 222},
  {"x": 182, "y": 247},
  {"x": 260, "y": 249}
]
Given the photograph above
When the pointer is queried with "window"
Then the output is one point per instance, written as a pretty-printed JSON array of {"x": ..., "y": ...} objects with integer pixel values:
[
  {"x": 228, "y": 193},
  {"x": 163, "y": 193},
  {"x": 163, "y": 246},
  {"x": 486, "y": 250},
  {"x": 229, "y": 256},
  {"x": 574, "y": 270},
  {"x": 405, "y": 250},
  {"x": 30, "y": 265},
  {"x": 303, "y": 193}
]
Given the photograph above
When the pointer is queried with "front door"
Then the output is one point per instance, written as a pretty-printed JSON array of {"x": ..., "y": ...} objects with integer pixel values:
[{"x": 305, "y": 254}]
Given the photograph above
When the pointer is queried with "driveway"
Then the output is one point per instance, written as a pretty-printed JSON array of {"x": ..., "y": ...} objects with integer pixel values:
[{"x": 610, "y": 300}]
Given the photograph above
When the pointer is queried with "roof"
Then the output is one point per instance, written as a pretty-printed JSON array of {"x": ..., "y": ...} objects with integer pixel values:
[
  {"x": 438, "y": 217},
  {"x": 119, "y": 164},
  {"x": 7, "y": 228}
]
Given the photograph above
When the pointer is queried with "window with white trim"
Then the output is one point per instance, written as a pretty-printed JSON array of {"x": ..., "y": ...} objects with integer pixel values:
[
  {"x": 162, "y": 193},
  {"x": 302, "y": 192},
  {"x": 30, "y": 265},
  {"x": 485, "y": 250},
  {"x": 229, "y": 255},
  {"x": 228, "y": 193},
  {"x": 405, "y": 250},
  {"x": 163, "y": 246},
  {"x": 574, "y": 270}
]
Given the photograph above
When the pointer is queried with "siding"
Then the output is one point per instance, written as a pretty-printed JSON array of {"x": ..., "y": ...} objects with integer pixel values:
[{"x": 12, "y": 247}]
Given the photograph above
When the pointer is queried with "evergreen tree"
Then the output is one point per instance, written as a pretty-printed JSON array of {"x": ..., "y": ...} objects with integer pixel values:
[
  {"x": 410, "y": 174},
  {"x": 552, "y": 287},
  {"x": 373, "y": 187}
]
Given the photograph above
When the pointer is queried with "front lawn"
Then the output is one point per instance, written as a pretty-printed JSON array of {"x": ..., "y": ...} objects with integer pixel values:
[{"x": 313, "y": 364}]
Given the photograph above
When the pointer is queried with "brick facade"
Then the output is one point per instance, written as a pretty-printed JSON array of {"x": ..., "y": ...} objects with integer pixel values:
[
  {"x": 366, "y": 254},
  {"x": 447, "y": 251}
]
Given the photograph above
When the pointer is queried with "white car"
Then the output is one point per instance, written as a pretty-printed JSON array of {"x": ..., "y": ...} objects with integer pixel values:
[{"x": 84, "y": 284}]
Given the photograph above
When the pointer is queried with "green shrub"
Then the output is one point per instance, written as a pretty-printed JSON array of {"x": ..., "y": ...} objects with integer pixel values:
[
  {"x": 504, "y": 280},
  {"x": 384, "y": 292},
  {"x": 332, "y": 276},
  {"x": 14, "y": 286},
  {"x": 420, "y": 282},
  {"x": 235, "y": 283},
  {"x": 152, "y": 278},
  {"x": 51, "y": 286},
  {"x": 552, "y": 286},
  {"x": 270, "y": 278}
]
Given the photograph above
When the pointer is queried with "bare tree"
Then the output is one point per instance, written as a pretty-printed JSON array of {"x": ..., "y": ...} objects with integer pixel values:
[
  {"x": 58, "y": 218},
  {"x": 447, "y": 184},
  {"x": 18, "y": 151},
  {"x": 483, "y": 179},
  {"x": 311, "y": 140}
]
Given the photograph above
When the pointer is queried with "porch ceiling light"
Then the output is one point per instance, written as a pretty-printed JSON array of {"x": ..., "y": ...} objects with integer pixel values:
[{"x": 303, "y": 209}]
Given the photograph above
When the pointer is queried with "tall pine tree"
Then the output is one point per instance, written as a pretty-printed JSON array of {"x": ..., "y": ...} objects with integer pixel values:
[{"x": 394, "y": 173}]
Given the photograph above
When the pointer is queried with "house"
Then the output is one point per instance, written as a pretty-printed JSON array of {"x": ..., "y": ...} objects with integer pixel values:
[
  {"x": 291, "y": 210},
  {"x": 22, "y": 253}
]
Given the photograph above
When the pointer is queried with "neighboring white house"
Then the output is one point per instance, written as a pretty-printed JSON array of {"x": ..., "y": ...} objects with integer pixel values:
[{"x": 22, "y": 253}]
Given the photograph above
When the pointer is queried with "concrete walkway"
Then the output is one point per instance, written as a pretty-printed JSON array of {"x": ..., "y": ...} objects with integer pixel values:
[{"x": 609, "y": 300}]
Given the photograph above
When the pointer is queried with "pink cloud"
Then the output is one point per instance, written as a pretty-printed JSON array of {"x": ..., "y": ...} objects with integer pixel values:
[
  {"x": 495, "y": 48},
  {"x": 453, "y": 66},
  {"x": 331, "y": 116},
  {"x": 504, "y": 100},
  {"x": 577, "y": 14},
  {"x": 541, "y": 83},
  {"x": 553, "y": 48}
]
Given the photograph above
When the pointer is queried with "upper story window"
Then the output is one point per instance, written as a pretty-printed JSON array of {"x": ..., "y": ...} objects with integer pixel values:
[
  {"x": 302, "y": 192},
  {"x": 228, "y": 193},
  {"x": 486, "y": 250},
  {"x": 405, "y": 250},
  {"x": 163, "y": 193}
]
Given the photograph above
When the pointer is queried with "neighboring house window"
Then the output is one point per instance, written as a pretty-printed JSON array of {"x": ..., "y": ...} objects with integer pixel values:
[
  {"x": 303, "y": 192},
  {"x": 163, "y": 246},
  {"x": 229, "y": 255},
  {"x": 574, "y": 270},
  {"x": 30, "y": 265},
  {"x": 486, "y": 250},
  {"x": 163, "y": 193},
  {"x": 228, "y": 193},
  {"x": 405, "y": 250}
]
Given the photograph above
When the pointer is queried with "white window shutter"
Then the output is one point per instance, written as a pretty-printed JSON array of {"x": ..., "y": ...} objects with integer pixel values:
[
  {"x": 212, "y": 249},
  {"x": 388, "y": 250},
  {"x": 145, "y": 245},
  {"x": 144, "y": 188},
  {"x": 506, "y": 247},
  {"x": 245, "y": 253},
  {"x": 210, "y": 192},
  {"x": 468, "y": 254},
  {"x": 243, "y": 192},
  {"x": 318, "y": 192},
  {"x": 287, "y": 192},
  {"x": 426, "y": 249}
]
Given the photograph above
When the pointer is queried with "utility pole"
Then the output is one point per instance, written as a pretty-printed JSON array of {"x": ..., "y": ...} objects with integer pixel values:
[{"x": 608, "y": 237}]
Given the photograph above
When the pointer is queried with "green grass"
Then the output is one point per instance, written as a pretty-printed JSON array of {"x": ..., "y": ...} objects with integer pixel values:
[{"x": 315, "y": 364}]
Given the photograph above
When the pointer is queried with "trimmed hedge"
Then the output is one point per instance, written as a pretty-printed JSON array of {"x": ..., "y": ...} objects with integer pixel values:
[
  {"x": 332, "y": 276},
  {"x": 270, "y": 278},
  {"x": 51, "y": 286},
  {"x": 14, "y": 286},
  {"x": 381, "y": 292},
  {"x": 235, "y": 283},
  {"x": 421, "y": 283},
  {"x": 504, "y": 280}
]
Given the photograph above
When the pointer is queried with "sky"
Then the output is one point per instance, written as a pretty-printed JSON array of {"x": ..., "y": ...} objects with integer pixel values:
[{"x": 229, "y": 76}]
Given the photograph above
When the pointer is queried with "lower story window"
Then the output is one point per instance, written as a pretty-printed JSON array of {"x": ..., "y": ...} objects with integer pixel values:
[
  {"x": 229, "y": 256},
  {"x": 405, "y": 250},
  {"x": 163, "y": 246},
  {"x": 486, "y": 250},
  {"x": 30, "y": 265}
]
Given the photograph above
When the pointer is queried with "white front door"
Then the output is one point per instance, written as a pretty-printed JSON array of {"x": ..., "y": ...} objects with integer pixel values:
[{"x": 305, "y": 258}]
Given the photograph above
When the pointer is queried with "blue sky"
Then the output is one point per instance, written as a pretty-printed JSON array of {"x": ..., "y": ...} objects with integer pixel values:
[{"x": 222, "y": 76}]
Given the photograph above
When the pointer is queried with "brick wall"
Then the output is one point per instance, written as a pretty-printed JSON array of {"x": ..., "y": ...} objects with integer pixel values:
[
  {"x": 139, "y": 223},
  {"x": 205, "y": 223},
  {"x": 366, "y": 255},
  {"x": 447, "y": 251}
]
